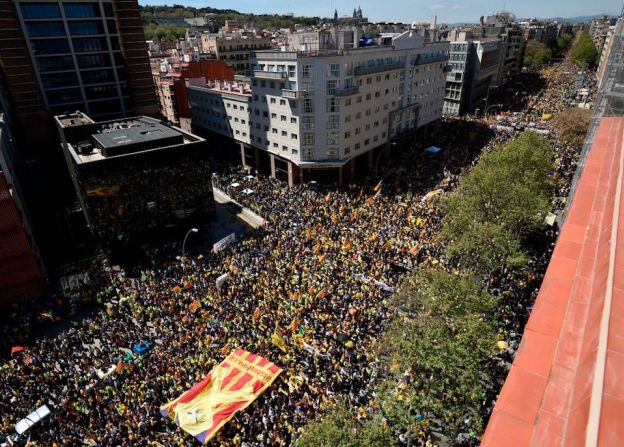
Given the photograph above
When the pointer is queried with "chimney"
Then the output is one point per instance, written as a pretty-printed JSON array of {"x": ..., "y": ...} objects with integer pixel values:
[{"x": 432, "y": 29}]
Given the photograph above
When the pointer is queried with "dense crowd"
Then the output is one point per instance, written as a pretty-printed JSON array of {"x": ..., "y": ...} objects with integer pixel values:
[
  {"x": 320, "y": 273},
  {"x": 126, "y": 201}
]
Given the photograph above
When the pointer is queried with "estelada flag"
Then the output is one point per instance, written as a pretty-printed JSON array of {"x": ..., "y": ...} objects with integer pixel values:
[
  {"x": 15, "y": 349},
  {"x": 229, "y": 388}
]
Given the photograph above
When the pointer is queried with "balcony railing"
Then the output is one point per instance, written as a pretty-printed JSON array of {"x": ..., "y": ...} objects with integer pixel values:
[
  {"x": 347, "y": 91},
  {"x": 362, "y": 71},
  {"x": 280, "y": 75},
  {"x": 293, "y": 94}
]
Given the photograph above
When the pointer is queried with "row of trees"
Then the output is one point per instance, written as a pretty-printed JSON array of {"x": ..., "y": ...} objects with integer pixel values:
[
  {"x": 584, "y": 51},
  {"x": 167, "y": 32},
  {"x": 438, "y": 352},
  {"x": 537, "y": 53}
]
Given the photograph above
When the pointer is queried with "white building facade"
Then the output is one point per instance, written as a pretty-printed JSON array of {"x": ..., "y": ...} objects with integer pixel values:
[{"x": 321, "y": 110}]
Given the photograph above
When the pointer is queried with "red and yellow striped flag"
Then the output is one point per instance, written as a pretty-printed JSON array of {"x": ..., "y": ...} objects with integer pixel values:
[{"x": 229, "y": 388}]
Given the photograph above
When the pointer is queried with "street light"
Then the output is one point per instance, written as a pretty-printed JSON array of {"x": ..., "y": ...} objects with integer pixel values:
[{"x": 192, "y": 230}]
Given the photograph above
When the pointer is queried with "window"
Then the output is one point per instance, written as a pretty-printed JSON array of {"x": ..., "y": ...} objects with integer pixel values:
[
  {"x": 308, "y": 105},
  {"x": 333, "y": 105},
  {"x": 40, "y": 10},
  {"x": 293, "y": 136},
  {"x": 307, "y": 71},
  {"x": 53, "y": 80},
  {"x": 347, "y": 135},
  {"x": 332, "y": 85},
  {"x": 45, "y": 29},
  {"x": 78, "y": 10},
  {"x": 293, "y": 120},
  {"x": 273, "y": 115},
  {"x": 358, "y": 100},
  {"x": 50, "y": 46},
  {"x": 357, "y": 146},
  {"x": 282, "y": 102},
  {"x": 283, "y": 118},
  {"x": 274, "y": 130},
  {"x": 273, "y": 101},
  {"x": 85, "y": 28},
  {"x": 90, "y": 44},
  {"x": 331, "y": 152},
  {"x": 347, "y": 150},
  {"x": 291, "y": 71},
  {"x": 307, "y": 122},
  {"x": 295, "y": 151},
  {"x": 333, "y": 122},
  {"x": 366, "y": 142},
  {"x": 333, "y": 138},
  {"x": 308, "y": 139},
  {"x": 368, "y": 97},
  {"x": 101, "y": 91},
  {"x": 64, "y": 96},
  {"x": 284, "y": 148},
  {"x": 333, "y": 70},
  {"x": 97, "y": 76},
  {"x": 348, "y": 119},
  {"x": 347, "y": 102},
  {"x": 284, "y": 133},
  {"x": 55, "y": 63}
]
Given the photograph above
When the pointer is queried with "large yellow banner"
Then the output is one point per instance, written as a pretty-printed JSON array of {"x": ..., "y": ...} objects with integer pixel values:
[{"x": 230, "y": 387}]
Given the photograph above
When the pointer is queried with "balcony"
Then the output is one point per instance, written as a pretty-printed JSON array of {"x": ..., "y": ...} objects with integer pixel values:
[
  {"x": 363, "y": 71},
  {"x": 294, "y": 94},
  {"x": 347, "y": 91},
  {"x": 274, "y": 75}
]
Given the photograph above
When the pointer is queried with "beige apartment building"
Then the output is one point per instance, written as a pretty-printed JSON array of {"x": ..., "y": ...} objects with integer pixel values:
[{"x": 234, "y": 49}]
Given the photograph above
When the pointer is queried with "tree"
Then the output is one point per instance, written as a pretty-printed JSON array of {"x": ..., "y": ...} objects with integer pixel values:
[
  {"x": 436, "y": 352},
  {"x": 584, "y": 51},
  {"x": 573, "y": 124},
  {"x": 338, "y": 428},
  {"x": 498, "y": 204},
  {"x": 536, "y": 54}
]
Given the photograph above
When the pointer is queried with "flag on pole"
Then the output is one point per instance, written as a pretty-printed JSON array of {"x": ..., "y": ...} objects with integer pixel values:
[{"x": 229, "y": 388}]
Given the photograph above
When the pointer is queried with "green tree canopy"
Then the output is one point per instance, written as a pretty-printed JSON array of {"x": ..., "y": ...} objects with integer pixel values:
[
  {"x": 584, "y": 51},
  {"x": 338, "y": 428},
  {"x": 536, "y": 54},
  {"x": 501, "y": 201}
]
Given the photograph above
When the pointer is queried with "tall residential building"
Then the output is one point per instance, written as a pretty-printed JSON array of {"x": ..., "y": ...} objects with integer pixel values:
[
  {"x": 234, "y": 49},
  {"x": 503, "y": 25},
  {"x": 474, "y": 65},
  {"x": 78, "y": 55},
  {"x": 327, "y": 110},
  {"x": 20, "y": 265}
]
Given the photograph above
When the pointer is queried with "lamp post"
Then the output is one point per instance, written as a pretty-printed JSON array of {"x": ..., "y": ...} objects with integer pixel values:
[{"x": 192, "y": 230}]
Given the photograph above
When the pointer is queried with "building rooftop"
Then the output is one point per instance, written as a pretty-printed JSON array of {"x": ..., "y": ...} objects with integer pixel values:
[
  {"x": 90, "y": 142},
  {"x": 566, "y": 384}
]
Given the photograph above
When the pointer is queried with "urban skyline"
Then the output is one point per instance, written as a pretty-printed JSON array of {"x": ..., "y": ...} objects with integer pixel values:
[{"x": 449, "y": 11}]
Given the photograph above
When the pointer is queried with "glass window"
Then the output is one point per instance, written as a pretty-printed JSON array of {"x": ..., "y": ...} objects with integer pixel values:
[
  {"x": 93, "y": 60},
  {"x": 56, "y": 63},
  {"x": 112, "y": 26},
  {"x": 105, "y": 107},
  {"x": 45, "y": 29},
  {"x": 97, "y": 76},
  {"x": 40, "y": 10},
  {"x": 108, "y": 10},
  {"x": 50, "y": 46},
  {"x": 65, "y": 95},
  {"x": 90, "y": 44},
  {"x": 101, "y": 91},
  {"x": 77, "y": 10},
  {"x": 53, "y": 80},
  {"x": 114, "y": 43},
  {"x": 85, "y": 28}
]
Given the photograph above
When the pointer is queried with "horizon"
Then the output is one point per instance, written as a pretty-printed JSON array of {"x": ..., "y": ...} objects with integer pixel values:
[{"x": 446, "y": 11}]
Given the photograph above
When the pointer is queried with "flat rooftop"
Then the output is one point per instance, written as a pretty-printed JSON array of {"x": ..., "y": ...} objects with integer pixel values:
[
  {"x": 134, "y": 132},
  {"x": 89, "y": 141}
]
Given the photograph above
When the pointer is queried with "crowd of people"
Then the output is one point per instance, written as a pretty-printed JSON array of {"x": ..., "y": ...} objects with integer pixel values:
[
  {"x": 126, "y": 201},
  {"x": 316, "y": 278}
]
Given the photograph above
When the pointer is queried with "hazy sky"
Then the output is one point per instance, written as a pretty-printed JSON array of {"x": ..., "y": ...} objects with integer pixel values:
[{"x": 449, "y": 11}]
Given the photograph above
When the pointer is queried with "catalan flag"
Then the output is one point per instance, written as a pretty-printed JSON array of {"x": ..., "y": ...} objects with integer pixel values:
[{"x": 229, "y": 388}]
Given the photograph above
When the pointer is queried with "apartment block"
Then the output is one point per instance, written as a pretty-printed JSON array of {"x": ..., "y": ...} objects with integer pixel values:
[
  {"x": 234, "y": 49},
  {"x": 328, "y": 110},
  {"x": 474, "y": 65}
]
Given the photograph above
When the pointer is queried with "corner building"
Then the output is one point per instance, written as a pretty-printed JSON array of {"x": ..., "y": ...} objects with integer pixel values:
[{"x": 329, "y": 112}]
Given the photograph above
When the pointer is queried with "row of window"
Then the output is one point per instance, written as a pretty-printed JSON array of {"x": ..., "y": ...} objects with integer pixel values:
[
  {"x": 71, "y": 10},
  {"x": 78, "y": 28},
  {"x": 85, "y": 61},
  {"x": 81, "y": 45}
]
